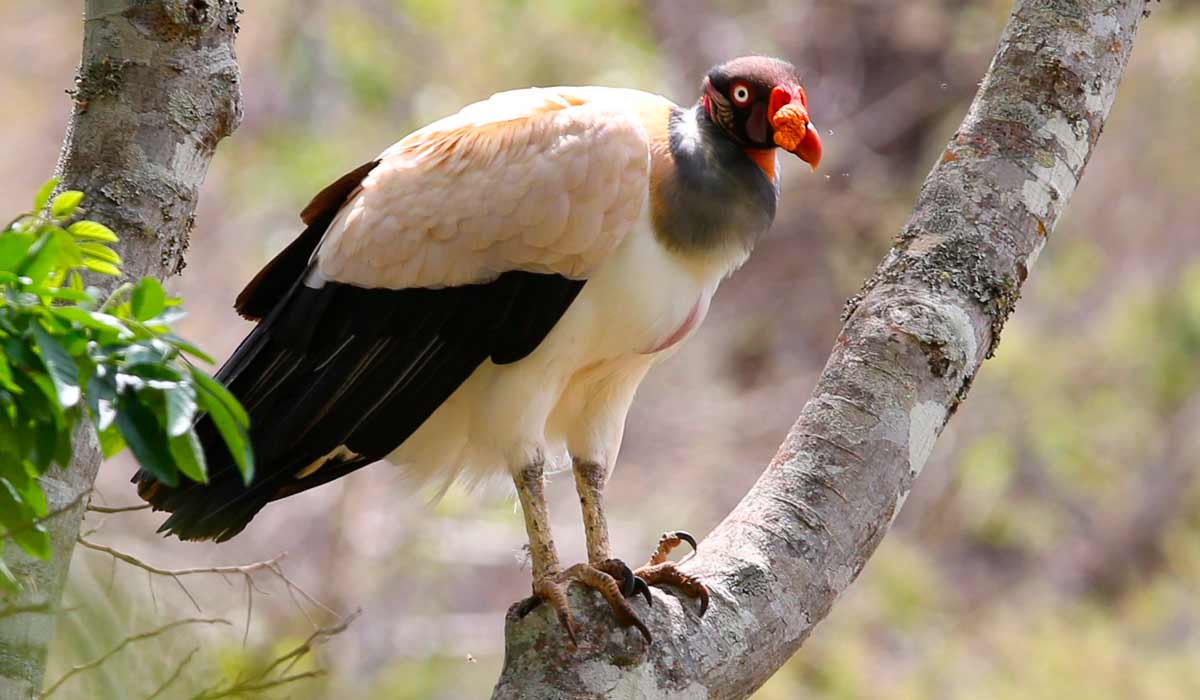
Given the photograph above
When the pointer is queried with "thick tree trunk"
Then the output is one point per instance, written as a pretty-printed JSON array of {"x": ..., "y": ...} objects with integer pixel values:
[
  {"x": 157, "y": 89},
  {"x": 905, "y": 359}
]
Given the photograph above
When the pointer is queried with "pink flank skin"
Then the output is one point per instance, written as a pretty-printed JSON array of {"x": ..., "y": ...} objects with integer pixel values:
[{"x": 699, "y": 309}]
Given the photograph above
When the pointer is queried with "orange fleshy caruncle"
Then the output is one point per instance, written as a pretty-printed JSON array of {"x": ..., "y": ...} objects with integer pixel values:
[
  {"x": 794, "y": 132},
  {"x": 791, "y": 125}
]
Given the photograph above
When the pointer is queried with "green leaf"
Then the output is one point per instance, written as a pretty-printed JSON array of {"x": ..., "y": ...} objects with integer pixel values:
[
  {"x": 61, "y": 366},
  {"x": 218, "y": 390},
  {"x": 184, "y": 346},
  {"x": 8, "y": 582},
  {"x": 181, "y": 409},
  {"x": 43, "y": 440},
  {"x": 99, "y": 251},
  {"x": 61, "y": 293},
  {"x": 20, "y": 353},
  {"x": 16, "y": 517},
  {"x": 101, "y": 267},
  {"x": 69, "y": 254},
  {"x": 152, "y": 352},
  {"x": 145, "y": 438},
  {"x": 148, "y": 299},
  {"x": 13, "y": 247},
  {"x": 6, "y": 376},
  {"x": 94, "y": 320},
  {"x": 189, "y": 456},
  {"x": 102, "y": 399},
  {"x": 45, "y": 386},
  {"x": 43, "y": 256},
  {"x": 92, "y": 231},
  {"x": 232, "y": 432},
  {"x": 35, "y": 541},
  {"x": 10, "y": 435},
  {"x": 111, "y": 442},
  {"x": 163, "y": 376},
  {"x": 23, "y": 478},
  {"x": 65, "y": 203},
  {"x": 43, "y": 194},
  {"x": 169, "y": 316},
  {"x": 64, "y": 444}
]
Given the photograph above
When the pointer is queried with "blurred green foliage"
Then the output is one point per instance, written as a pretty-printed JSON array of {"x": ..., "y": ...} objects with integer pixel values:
[{"x": 67, "y": 357}]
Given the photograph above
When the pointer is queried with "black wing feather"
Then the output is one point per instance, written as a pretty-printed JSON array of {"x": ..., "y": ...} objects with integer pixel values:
[{"x": 353, "y": 367}]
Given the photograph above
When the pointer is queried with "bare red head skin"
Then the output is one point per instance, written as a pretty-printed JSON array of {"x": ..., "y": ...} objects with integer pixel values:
[{"x": 760, "y": 103}]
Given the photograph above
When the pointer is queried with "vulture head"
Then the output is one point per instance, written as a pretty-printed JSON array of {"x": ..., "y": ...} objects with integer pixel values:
[{"x": 759, "y": 102}]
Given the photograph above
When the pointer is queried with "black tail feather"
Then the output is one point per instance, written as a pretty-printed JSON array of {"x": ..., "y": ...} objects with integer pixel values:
[{"x": 351, "y": 368}]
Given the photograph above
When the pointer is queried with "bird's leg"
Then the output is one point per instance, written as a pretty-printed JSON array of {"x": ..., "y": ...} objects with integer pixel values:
[
  {"x": 590, "y": 478},
  {"x": 661, "y": 571},
  {"x": 589, "y": 482},
  {"x": 549, "y": 584},
  {"x": 531, "y": 490}
]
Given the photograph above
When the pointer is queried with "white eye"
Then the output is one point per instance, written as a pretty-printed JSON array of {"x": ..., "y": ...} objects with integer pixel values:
[{"x": 741, "y": 94}]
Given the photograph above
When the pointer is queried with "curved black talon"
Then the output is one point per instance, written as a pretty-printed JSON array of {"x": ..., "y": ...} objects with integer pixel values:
[
  {"x": 623, "y": 575},
  {"x": 629, "y": 583},
  {"x": 686, "y": 537},
  {"x": 640, "y": 586}
]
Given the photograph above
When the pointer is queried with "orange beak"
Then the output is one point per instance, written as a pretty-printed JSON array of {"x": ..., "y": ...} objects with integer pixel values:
[{"x": 794, "y": 131}]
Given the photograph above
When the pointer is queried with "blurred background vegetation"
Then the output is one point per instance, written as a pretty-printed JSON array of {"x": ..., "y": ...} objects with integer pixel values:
[{"x": 1050, "y": 548}]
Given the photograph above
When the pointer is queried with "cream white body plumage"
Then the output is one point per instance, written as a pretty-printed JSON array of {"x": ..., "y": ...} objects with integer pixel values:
[{"x": 569, "y": 398}]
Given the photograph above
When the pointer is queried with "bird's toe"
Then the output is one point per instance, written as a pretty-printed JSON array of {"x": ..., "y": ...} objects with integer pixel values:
[
  {"x": 660, "y": 571},
  {"x": 613, "y": 579},
  {"x": 628, "y": 582}
]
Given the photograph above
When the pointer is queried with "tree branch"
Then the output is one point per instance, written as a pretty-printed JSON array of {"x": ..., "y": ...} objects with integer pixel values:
[
  {"x": 913, "y": 341},
  {"x": 157, "y": 89},
  {"x": 93, "y": 508},
  {"x": 174, "y": 674},
  {"x": 246, "y": 571},
  {"x": 282, "y": 665},
  {"x": 94, "y": 663}
]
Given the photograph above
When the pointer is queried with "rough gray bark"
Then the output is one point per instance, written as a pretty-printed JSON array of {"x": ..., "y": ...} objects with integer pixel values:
[
  {"x": 913, "y": 340},
  {"x": 157, "y": 89}
]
